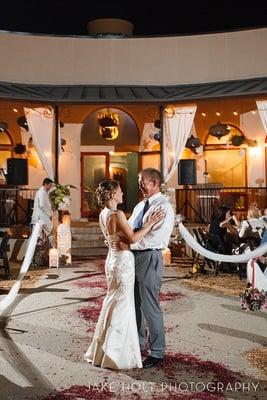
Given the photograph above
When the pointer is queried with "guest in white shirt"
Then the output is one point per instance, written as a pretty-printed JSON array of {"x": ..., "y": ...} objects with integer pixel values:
[
  {"x": 149, "y": 263},
  {"x": 42, "y": 210},
  {"x": 254, "y": 227}
]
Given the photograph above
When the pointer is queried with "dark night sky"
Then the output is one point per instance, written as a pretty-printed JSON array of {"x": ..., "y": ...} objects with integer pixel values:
[{"x": 67, "y": 17}]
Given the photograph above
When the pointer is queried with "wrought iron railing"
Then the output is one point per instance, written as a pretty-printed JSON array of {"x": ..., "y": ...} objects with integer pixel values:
[
  {"x": 198, "y": 204},
  {"x": 16, "y": 206}
]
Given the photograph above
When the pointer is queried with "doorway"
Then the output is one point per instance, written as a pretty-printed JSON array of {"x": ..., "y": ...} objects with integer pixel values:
[{"x": 95, "y": 167}]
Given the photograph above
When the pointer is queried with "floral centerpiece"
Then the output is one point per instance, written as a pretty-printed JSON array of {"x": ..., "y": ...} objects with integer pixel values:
[
  {"x": 253, "y": 299},
  {"x": 60, "y": 198}
]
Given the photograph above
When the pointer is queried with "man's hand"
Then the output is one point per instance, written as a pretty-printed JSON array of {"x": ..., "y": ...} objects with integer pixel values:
[{"x": 121, "y": 244}]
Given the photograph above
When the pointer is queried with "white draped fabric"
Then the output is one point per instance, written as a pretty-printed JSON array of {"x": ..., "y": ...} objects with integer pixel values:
[
  {"x": 176, "y": 131},
  {"x": 262, "y": 108},
  {"x": 241, "y": 258},
  {"x": 42, "y": 127},
  {"x": 9, "y": 302},
  {"x": 260, "y": 278}
]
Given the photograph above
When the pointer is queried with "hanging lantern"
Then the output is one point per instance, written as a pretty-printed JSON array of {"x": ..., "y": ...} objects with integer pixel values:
[
  {"x": 22, "y": 122},
  {"x": 108, "y": 125},
  {"x": 218, "y": 130},
  {"x": 3, "y": 126},
  {"x": 20, "y": 148},
  {"x": 237, "y": 140},
  {"x": 194, "y": 144}
]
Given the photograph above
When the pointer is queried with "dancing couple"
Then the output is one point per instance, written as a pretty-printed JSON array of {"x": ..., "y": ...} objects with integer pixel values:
[{"x": 133, "y": 270}]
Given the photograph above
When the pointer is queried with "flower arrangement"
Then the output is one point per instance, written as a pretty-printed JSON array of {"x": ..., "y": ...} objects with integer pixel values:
[
  {"x": 60, "y": 197},
  {"x": 253, "y": 299}
]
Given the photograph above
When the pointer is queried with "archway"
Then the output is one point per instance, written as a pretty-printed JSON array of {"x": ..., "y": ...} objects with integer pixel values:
[{"x": 103, "y": 157}]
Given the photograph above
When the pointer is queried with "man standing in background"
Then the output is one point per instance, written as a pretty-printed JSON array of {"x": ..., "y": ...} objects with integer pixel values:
[{"x": 42, "y": 210}]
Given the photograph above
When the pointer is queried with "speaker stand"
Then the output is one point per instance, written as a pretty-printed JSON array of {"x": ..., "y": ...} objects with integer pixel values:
[
  {"x": 186, "y": 205},
  {"x": 12, "y": 216}
]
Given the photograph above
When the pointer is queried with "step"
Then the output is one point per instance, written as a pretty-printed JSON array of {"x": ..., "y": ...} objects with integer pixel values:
[
  {"x": 87, "y": 243},
  {"x": 86, "y": 229},
  {"x": 99, "y": 251},
  {"x": 87, "y": 236}
]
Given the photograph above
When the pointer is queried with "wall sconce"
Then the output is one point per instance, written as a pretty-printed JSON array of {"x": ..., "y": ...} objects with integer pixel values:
[
  {"x": 169, "y": 111},
  {"x": 108, "y": 125},
  {"x": 22, "y": 122}
]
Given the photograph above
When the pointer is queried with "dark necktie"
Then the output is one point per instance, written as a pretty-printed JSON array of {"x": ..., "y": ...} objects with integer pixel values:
[{"x": 138, "y": 222}]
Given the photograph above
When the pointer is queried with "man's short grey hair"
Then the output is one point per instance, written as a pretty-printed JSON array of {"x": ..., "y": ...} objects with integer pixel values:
[{"x": 152, "y": 174}]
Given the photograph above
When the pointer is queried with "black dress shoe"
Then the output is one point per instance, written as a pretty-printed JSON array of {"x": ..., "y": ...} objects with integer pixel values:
[{"x": 151, "y": 361}]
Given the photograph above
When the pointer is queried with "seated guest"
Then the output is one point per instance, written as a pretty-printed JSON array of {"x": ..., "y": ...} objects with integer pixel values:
[
  {"x": 222, "y": 224},
  {"x": 264, "y": 214},
  {"x": 253, "y": 228},
  {"x": 264, "y": 218}
]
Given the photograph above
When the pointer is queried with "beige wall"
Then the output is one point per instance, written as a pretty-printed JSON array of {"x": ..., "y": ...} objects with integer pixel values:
[{"x": 136, "y": 61}]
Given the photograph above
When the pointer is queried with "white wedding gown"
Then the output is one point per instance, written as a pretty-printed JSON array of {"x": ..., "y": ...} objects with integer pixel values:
[{"x": 115, "y": 343}]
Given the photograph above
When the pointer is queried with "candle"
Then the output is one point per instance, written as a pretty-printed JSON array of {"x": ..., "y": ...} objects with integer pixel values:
[
  {"x": 166, "y": 253},
  {"x": 53, "y": 258}
]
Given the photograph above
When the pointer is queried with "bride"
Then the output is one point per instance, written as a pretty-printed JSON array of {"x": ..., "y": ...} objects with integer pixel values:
[{"x": 115, "y": 342}]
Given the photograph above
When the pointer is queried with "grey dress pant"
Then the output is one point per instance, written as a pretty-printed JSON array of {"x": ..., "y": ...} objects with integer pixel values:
[{"x": 148, "y": 280}]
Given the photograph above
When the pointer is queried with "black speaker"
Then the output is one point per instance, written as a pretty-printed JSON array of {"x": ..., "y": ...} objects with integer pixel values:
[
  {"x": 187, "y": 172},
  {"x": 17, "y": 171}
]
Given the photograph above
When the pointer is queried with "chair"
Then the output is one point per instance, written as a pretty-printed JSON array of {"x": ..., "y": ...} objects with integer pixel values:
[
  {"x": 3, "y": 253},
  {"x": 248, "y": 243},
  {"x": 215, "y": 244},
  {"x": 200, "y": 236},
  {"x": 209, "y": 242}
]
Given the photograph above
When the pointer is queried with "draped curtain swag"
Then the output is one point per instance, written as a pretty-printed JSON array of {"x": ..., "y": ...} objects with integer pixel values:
[
  {"x": 176, "y": 131},
  {"x": 262, "y": 108},
  {"x": 42, "y": 128}
]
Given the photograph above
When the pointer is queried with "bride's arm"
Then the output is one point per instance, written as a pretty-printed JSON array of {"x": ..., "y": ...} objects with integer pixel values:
[{"x": 131, "y": 236}]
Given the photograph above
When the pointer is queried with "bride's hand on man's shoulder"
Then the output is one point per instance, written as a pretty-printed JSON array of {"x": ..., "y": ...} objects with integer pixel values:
[{"x": 156, "y": 216}]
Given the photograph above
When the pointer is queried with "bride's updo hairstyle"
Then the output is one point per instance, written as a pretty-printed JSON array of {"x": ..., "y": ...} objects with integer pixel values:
[{"x": 105, "y": 190}]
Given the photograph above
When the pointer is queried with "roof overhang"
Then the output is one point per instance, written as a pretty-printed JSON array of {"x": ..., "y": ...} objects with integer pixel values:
[{"x": 82, "y": 94}]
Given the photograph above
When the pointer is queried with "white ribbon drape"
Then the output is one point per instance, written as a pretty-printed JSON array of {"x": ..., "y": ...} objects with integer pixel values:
[
  {"x": 42, "y": 127},
  {"x": 176, "y": 131},
  {"x": 262, "y": 108},
  {"x": 9, "y": 302},
  {"x": 241, "y": 258}
]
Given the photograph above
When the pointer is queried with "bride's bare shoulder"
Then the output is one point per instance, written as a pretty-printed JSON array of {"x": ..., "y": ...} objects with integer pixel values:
[
  {"x": 121, "y": 214},
  {"x": 118, "y": 214}
]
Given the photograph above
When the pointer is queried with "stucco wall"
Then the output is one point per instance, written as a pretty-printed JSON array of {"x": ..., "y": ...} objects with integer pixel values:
[{"x": 135, "y": 61}]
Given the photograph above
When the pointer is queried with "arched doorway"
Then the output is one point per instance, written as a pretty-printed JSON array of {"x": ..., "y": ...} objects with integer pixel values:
[{"x": 104, "y": 157}]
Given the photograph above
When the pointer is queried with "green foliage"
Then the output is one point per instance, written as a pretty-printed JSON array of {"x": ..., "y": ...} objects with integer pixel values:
[{"x": 59, "y": 195}]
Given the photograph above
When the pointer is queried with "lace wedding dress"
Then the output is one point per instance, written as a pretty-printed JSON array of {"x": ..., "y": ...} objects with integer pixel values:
[{"x": 115, "y": 343}]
